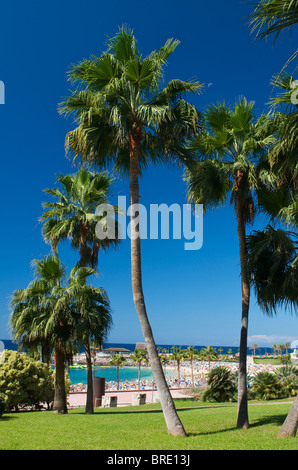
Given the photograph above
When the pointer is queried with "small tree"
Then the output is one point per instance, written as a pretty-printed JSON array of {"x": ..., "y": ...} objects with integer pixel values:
[
  {"x": 254, "y": 347},
  {"x": 117, "y": 360},
  {"x": 139, "y": 356},
  {"x": 209, "y": 354},
  {"x": 191, "y": 354},
  {"x": 25, "y": 382},
  {"x": 177, "y": 355}
]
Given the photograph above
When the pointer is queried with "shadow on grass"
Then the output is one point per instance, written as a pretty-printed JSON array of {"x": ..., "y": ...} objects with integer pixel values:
[
  {"x": 157, "y": 410},
  {"x": 277, "y": 420},
  {"x": 7, "y": 418},
  {"x": 272, "y": 419}
]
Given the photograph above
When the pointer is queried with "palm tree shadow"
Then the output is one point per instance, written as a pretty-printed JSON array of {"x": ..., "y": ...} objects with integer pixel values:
[
  {"x": 278, "y": 420},
  {"x": 271, "y": 419}
]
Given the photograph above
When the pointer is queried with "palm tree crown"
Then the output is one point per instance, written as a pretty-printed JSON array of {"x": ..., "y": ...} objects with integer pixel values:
[
  {"x": 72, "y": 214},
  {"x": 123, "y": 100}
]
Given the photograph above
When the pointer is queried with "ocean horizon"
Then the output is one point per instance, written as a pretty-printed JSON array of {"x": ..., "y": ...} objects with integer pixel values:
[{"x": 11, "y": 345}]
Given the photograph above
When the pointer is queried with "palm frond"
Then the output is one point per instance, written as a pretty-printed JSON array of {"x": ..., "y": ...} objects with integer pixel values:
[{"x": 274, "y": 16}]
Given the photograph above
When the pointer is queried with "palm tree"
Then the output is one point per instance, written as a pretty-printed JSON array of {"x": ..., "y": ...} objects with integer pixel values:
[
  {"x": 92, "y": 305},
  {"x": 117, "y": 360},
  {"x": 164, "y": 359},
  {"x": 191, "y": 353},
  {"x": 274, "y": 347},
  {"x": 281, "y": 347},
  {"x": 273, "y": 252},
  {"x": 177, "y": 355},
  {"x": 208, "y": 353},
  {"x": 125, "y": 119},
  {"x": 287, "y": 346},
  {"x": 139, "y": 356},
  {"x": 254, "y": 347},
  {"x": 39, "y": 314},
  {"x": 227, "y": 152},
  {"x": 72, "y": 214}
]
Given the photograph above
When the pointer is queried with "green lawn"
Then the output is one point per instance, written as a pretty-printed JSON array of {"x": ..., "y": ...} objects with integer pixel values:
[
  {"x": 209, "y": 428},
  {"x": 268, "y": 360}
]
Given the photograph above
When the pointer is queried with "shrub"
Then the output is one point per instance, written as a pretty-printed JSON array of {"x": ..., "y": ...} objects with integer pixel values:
[
  {"x": 25, "y": 382},
  {"x": 2, "y": 404},
  {"x": 222, "y": 385}
]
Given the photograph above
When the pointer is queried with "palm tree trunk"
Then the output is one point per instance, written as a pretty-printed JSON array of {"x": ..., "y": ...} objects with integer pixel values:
[
  {"x": 83, "y": 244},
  {"x": 59, "y": 405},
  {"x": 46, "y": 353},
  {"x": 139, "y": 375},
  {"x": 242, "y": 418},
  {"x": 89, "y": 399},
  {"x": 289, "y": 427},
  {"x": 173, "y": 422},
  {"x": 117, "y": 376}
]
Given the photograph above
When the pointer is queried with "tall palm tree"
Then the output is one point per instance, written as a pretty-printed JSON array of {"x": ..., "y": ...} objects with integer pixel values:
[
  {"x": 117, "y": 360},
  {"x": 273, "y": 252},
  {"x": 95, "y": 320},
  {"x": 227, "y": 152},
  {"x": 39, "y": 314},
  {"x": 139, "y": 356},
  {"x": 127, "y": 120}
]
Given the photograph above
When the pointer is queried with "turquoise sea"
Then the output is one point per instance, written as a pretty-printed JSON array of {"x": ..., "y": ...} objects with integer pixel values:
[{"x": 110, "y": 373}]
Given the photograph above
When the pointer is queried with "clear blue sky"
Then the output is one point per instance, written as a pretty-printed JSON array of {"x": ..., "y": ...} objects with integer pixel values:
[{"x": 192, "y": 297}]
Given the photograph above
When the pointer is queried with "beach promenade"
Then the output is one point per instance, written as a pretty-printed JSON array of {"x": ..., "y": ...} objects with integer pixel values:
[
  {"x": 77, "y": 397},
  {"x": 124, "y": 397}
]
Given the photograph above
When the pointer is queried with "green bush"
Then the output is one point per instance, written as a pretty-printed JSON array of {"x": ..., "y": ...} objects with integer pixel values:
[
  {"x": 2, "y": 404},
  {"x": 222, "y": 385},
  {"x": 25, "y": 382}
]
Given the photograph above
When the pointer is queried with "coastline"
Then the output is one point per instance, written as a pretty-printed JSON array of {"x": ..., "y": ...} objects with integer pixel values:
[{"x": 200, "y": 373}]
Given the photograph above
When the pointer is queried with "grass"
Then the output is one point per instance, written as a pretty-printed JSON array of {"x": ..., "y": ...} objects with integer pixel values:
[
  {"x": 143, "y": 428},
  {"x": 268, "y": 360}
]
